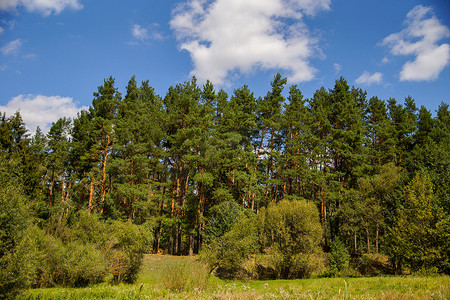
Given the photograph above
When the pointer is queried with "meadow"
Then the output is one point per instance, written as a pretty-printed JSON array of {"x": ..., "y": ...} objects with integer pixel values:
[{"x": 175, "y": 277}]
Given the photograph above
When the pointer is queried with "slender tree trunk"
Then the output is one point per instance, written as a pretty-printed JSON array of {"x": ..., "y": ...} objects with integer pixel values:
[
  {"x": 103, "y": 186},
  {"x": 376, "y": 241},
  {"x": 91, "y": 196},
  {"x": 191, "y": 243},
  {"x": 157, "y": 240},
  {"x": 52, "y": 183}
]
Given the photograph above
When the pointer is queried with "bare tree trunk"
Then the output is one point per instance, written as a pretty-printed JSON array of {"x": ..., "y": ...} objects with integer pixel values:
[
  {"x": 91, "y": 196},
  {"x": 103, "y": 186},
  {"x": 376, "y": 240},
  {"x": 191, "y": 244},
  {"x": 368, "y": 240}
]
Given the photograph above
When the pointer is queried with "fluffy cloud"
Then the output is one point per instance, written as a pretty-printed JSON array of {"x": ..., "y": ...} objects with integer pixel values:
[
  {"x": 12, "y": 48},
  {"x": 46, "y": 7},
  {"x": 39, "y": 110},
  {"x": 420, "y": 39},
  {"x": 368, "y": 79},
  {"x": 337, "y": 67},
  {"x": 144, "y": 34},
  {"x": 140, "y": 33},
  {"x": 223, "y": 36}
]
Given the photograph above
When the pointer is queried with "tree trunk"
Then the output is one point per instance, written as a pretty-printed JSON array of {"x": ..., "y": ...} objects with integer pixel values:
[
  {"x": 191, "y": 243},
  {"x": 104, "y": 160},
  {"x": 368, "y": 240},
  {"x": 377, "y": 235},
  {"x": 91, "y": 196}
]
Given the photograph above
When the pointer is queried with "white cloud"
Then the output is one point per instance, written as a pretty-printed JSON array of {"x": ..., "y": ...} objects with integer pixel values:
[
  {"x": 1, "y": 30},
  {"x": 12, "y": 48},
  {"x": 337, "y": 67},
  {"x": 40, "y": 110},
  {"x": 46, "y": 7},
  {"x": 223, "y": 36},
  {"x": 30, "y": 56},
  {"x": 420, "y": 39},
  {"x": 368, "y": 79},
  {"x": 140, "y": 33},
  {"x": 144, "y": 34},
  {"x": 3, "y": 67}
]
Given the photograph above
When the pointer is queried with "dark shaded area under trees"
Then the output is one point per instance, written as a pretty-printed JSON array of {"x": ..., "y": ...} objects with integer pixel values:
[{"x": 192, "y": 165}]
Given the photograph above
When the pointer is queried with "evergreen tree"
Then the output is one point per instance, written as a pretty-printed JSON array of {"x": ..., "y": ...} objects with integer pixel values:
[
  {"x": 380, "y": 133},
  {"x": 269, "y": 116},
  {"x": 297, "y": 145}
]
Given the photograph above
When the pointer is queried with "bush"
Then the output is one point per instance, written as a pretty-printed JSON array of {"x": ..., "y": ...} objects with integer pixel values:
[
  {"x": 88, "y": 251},
  {"x": 374, "y": 264},
  {"x": 223, "y": 216},
  {"x": 225, "y": 254},
  {"x": 273, "y": 265},
  {"x": 292, "y": 230},
  {"x": 71, "y": 264},
  {"x": 339, "y": 258},
  {"x": 16, "y": 235},
  {"x": 126, "y": 249}
]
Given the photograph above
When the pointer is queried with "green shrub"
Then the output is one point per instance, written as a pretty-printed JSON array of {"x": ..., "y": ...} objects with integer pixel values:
[
  {"x": 339, "y": 258},
  {"x": 222, "y": 218},
  {"x": 374, "y": 264},
  {"x": 292, "y": 230},
  {"x": 273, "y": 265},
  {"x": 89, "y": 251},
  {"x": 226, "y": 254},
  {"x": 126, "y": 249},
  {"x": 71, "y": 264},
  {"x": 16, "y": 235}
]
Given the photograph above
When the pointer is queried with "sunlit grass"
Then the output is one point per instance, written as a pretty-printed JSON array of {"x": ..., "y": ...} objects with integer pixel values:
[{"x": 152, "y": 284}]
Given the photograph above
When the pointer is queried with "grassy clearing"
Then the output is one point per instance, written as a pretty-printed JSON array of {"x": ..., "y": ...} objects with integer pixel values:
[{"x": 169, "y": 277}]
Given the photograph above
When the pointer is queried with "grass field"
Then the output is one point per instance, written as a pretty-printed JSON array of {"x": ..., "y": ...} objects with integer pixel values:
[{"x": 169, "y": 277}]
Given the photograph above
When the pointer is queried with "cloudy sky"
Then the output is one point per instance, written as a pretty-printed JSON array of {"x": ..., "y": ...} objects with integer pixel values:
[{"x": 55, "y": 53}]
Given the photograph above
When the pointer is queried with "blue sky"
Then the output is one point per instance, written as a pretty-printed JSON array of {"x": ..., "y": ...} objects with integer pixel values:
[{"x": 55, "y": 53}]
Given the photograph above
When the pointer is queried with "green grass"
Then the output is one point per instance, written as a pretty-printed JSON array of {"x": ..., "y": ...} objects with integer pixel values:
[{"x": 169, "y": 277}]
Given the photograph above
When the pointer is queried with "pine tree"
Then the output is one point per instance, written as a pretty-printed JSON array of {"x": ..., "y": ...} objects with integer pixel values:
[
  {"x": 269, "y": 116},
  {"x": 57, "y": 158},
  {"x": 296, "y": 140}
]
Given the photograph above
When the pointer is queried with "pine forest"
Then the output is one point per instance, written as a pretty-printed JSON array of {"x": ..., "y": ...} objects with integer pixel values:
[{"x": 329, "y": 185}]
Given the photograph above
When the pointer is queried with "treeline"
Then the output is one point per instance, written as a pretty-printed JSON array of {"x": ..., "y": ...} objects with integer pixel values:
[{"x": 377, "y": 171}]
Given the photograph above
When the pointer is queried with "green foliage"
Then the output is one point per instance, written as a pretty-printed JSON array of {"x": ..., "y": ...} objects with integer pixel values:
[
  {"x": 16, "y": 232},
  {"x": 191, "y": 163},
  {"x": 339, "y": 259},
  {"x": 415, "y": 238},
  {"x": 291, "y": 226},
  {"x": 73, "y": 264},
  {"x": 88, "y": 251},
  {"x": 293, "y": 230},
  {"x": 222, "y": 218},
  {"x": 128, "y": 242},
  {"x": 272, "y": 265},
  {"x": 374, "y": 264},
  {"x": 225, "y": 254}
]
